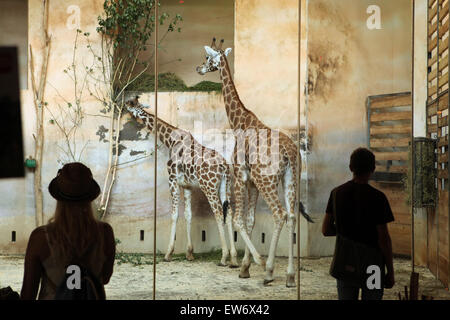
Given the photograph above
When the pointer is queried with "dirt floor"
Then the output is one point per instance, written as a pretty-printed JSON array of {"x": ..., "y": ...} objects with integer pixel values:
[{"x": 202, "y": 279}]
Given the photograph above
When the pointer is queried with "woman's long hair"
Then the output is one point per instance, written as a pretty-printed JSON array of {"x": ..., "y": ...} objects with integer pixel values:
[{"x": 74, "y": 229}]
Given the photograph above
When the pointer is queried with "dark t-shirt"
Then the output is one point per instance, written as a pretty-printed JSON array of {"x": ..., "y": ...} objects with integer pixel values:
[{"x": 359, "y": 209}]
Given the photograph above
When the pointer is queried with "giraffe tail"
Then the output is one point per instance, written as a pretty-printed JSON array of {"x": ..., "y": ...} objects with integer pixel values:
[
  {"x": 304, "y": 214},
  {"x": 225, "y": 206}
]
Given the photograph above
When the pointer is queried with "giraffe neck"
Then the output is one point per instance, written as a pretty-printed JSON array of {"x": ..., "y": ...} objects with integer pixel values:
[
  {"x": 165, "y": 130},
  {"x": 233, "y": 105}
]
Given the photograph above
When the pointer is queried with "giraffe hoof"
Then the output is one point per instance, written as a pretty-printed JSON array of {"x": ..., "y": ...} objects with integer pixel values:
[
  {"x": 290, "y": 281},
  {"x": 244, "y": 274},
  {"x": 167, "y": 259},
  {"x": 221, "y": 264},
  {"x": 267, "y": 282},
  {"x": 190, "y": 257},
  {"x": 234, "y": 265}
]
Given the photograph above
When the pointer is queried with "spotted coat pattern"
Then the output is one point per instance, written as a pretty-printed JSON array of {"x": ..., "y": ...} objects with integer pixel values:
[{"x": 192, "y": 165}]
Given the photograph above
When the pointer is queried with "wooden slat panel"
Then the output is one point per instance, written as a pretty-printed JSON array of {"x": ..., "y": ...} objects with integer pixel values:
[
  {"x": 433, "y": 44},
  {"x": 432, "y": 128},
  {"x": 443, "y": 103},
  {"x": 432, "y": 28},
  {"x": 432, "y": 90},
  {"x": 390, "y": 116},
  {"x": 443, "y": 12},
  {"x": 401, "y": 217},
  {"x": 443, "y": 122},
  {"x": 395, "y": 169},
  {"x": 401, "y": 238},
  {"x": 395, "y": 156},
  {"x": 432, "y": 13},
  {"x": 443, "y": 45},
  {"x": 442, "y": 141},
  {"x": 431, "y": 110},
  {"x": 443, "y": 80},
  {"x": 432, "y": 75},
  {"x": 384, "y": 143},
  {"x": 392, "y": 101},
  {"x": 444, "y": 28},
  {"x": 433, "y": 60},
  {"x": 443, "y": 63},
  {"x": 404, "y": 128}
]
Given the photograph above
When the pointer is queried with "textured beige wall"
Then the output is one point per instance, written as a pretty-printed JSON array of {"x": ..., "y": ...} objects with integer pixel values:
[{"x": 202, "y": 20}]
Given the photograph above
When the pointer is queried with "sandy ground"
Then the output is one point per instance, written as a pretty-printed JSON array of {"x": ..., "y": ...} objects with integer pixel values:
[{"x": 204, "y": 280}]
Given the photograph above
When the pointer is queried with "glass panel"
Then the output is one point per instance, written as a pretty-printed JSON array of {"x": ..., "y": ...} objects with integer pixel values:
[{"x": 359, "y": 95}]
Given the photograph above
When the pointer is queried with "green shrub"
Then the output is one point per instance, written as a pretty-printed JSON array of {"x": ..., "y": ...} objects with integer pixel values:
[{"x": 171, "y": 82}]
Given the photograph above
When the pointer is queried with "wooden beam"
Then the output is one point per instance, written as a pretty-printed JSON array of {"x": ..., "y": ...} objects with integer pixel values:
[
  {"x": 432, "y": 75},
  {"x": 394, "y": 156},
  {"x": 443, "y": 62},
  {"x": 390, "y": 116},
  {"x": 390, "y": 129},
  {"x": 443, "y": 12},
  {"x": 432, "y": 128},
  {"x": 444, "y": 28},
  {"x": 433, "y": 12},
  {"x": 432, "y": 109},
  {"x": 443, "y": 45},
  {"x": 443, "y": 80},
  {"x": 432, "y": 44},
  {"x": 389, "y": 102},
  {"x": 443, "y": 103},
  {"x": 389, "y": 142},
  {"x": 396, "y": 169},
  {"x": 432, "y": 28},
  {"x": 443, "y": 122}
]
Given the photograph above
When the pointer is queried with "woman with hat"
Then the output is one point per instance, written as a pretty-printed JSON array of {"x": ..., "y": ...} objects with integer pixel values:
[{"x": 73, "y": 234}]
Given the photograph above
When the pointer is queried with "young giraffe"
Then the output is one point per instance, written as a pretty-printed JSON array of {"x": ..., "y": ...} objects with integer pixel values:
[
  {"x": 193, "y": 165},
  {"x": 258, "y": 175}
]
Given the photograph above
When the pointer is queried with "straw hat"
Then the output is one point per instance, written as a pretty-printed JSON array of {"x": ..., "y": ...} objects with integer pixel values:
[{"x": 74, "y": 182}]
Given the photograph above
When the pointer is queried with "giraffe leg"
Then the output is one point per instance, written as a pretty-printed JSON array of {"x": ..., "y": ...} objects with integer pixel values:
[
  {"x": 175, "y": 194},
  {"x": 239, "y": 190},
  {"x": 225, "y": 195},
  {"x": 289, "y": 185},
  {"x": 267, "y": 185},
  {"x": 212, "y": 194},
  {"x": 233, "y": 253},
  {"x": 250, "y": 223},
  {"x": 188, "y": 216}
]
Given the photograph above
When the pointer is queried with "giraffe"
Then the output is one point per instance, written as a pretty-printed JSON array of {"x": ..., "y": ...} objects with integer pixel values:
[
  {"x": 258, "y": 176},
  {"x": 193, "y": 165}
]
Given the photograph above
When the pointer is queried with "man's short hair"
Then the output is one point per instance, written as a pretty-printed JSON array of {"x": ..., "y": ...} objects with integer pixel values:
[{"x": 362, "y": 161}]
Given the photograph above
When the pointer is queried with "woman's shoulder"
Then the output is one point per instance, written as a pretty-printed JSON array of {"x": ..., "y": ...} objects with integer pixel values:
[
  {"x": 106, "y": 226},
  {"x": 38, "y": 233}
]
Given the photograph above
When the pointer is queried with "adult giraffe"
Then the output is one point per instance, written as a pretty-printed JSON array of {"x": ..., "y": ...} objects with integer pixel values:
[
  {"x": 259, "y": 174},
  {"x": 192, "y": 165}
]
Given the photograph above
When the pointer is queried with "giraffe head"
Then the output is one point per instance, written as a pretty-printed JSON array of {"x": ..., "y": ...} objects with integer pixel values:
[
  {"x": 213, "y": 56},
  {"x": 135, "y": 107},
  {"x": 137, "y": 110}
]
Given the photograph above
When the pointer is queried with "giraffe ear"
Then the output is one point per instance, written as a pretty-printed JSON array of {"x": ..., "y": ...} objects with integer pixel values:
[
  {"x": 210, "y": 52},
  {"x": 227, "y": 51}
]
